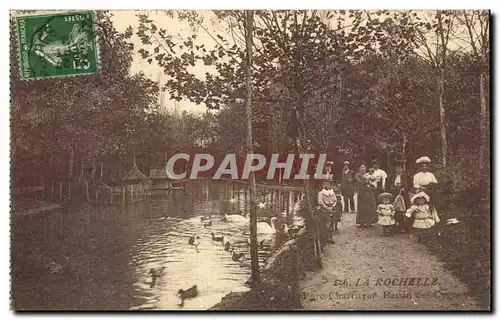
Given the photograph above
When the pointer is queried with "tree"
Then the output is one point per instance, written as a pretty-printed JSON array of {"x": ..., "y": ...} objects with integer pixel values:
[
  {"x": 59, "y": 122},
  {"x": 248, "y": 108},
  {"x": 478, "y": 26},
  {"x": 434, "y": 34}
]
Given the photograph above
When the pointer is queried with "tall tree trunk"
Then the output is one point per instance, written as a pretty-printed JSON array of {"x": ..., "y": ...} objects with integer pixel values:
[
  {"x": 442, "y": 119},
  {"x": 404, "y": 151},
  {"x": 71, "y": 164},
  {"x": 483, "y": 117},
  {"x": 102, "y": 171},
  {"x": 253, "y": 188}
]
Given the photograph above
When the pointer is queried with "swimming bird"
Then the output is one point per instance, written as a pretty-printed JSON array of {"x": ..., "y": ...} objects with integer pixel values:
[
  {"x": 207, "y": 223},
  {"x": 261, "y": 243},
  {"x": 227, "y": 246},
  {"x": 264, "y": 227},
  {"x": 187, "y": 294},
  {"x": 207, "y": 218},
  {"x": 237, "y": 256},
  {"x": 217, "y": 238},
  {"x": 236, "y": 218},
  {"x": 155, "y": 273},
  {"x": 192, "y": 240}
]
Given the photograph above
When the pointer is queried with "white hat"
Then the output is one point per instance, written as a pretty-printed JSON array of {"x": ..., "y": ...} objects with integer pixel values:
[
  {"x": 452, "y": 221},
  {"x": 423, "y": 160},
  {"x": 420, "y": 195},
  {"x": 347, "y": 162}
]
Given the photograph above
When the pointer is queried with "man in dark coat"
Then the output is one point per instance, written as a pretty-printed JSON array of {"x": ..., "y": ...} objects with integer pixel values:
[{"x": 347, "y": 188}]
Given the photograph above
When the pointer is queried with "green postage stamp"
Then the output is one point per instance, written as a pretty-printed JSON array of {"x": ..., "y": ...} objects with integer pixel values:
[{"x": 57, "y": 44}]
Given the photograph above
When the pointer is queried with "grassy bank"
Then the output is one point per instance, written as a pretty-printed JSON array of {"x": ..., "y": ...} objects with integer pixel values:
[
  {"x": 274, "y": 292},
  {"x": 465, "y": 247}
]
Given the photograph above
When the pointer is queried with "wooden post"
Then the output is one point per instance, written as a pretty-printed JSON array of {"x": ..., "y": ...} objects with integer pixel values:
[
  {"x": 69, "y": 190},
  {"x": 60, "y": 190},
  {"x": 245, "y": 205},
  {"x": 123, "y": 195},
  {"x": 87, "y": 191},
  {"x": 295, "y": 276},
  {"x": 52, "y": 186},
  {"x": 288, "y": 209}
]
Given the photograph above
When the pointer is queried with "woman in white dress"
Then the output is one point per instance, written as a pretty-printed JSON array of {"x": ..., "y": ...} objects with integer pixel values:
[{"x": 425, "y": 180}]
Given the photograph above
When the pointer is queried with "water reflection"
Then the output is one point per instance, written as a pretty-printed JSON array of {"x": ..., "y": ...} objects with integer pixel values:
[
  {"x": 107, "y": 252},
  {"x": 164, "y": 242}
]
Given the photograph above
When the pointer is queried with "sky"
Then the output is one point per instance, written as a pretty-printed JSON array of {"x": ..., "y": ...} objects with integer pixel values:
[{"x": 123, "y": 19}]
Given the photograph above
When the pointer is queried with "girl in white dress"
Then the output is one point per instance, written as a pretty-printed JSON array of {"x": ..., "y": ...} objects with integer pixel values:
[
  {"x": 386, "y": 211},
  {"x": 423, "y": 215}
]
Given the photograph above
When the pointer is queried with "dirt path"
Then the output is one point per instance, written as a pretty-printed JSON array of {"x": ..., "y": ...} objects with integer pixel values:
[{"x": 364, "y": 271}]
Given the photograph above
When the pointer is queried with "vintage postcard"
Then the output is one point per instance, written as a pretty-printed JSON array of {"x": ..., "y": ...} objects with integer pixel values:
[{"x": 250, "y": 160}]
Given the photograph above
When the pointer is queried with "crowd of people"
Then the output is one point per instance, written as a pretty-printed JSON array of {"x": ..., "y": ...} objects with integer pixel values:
[{"x": 396, "y": 202}]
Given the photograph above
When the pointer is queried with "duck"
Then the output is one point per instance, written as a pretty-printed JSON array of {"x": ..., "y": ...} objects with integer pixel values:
[
  {"x": 237, "y": 256},
  {"x": 227, "y": 246},
  {"x": 261, "y": 243},
  {"x": 236, "y": 218},
  {"x": 264, "y": 227},
  {"x": 193, "y": 239},
  {"x": 187, "y": 294},
  {"x": 155, "y": 274},
  {"x": 207, "y": 218},
  {"x": 207, "y": 223},
  {"x": 217, "y": 238}
]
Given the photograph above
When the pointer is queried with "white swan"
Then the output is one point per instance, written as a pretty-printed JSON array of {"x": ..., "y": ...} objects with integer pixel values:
[
  {"x": 263, "y": 227},
  {"x": 236, "y": 218}
]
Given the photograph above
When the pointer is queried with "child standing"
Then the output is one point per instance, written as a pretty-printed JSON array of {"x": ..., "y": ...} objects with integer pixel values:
[
  {"x": 386, "y": 212},
  {"x": 326, "y": 201},
  {"x": 400, "y": 208},
  {"x": 424, "y": 218},
  {"x": 337, "y": 213}
]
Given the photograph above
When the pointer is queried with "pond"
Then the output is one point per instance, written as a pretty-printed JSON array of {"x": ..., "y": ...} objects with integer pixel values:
[{"x": 101, "y": 256}]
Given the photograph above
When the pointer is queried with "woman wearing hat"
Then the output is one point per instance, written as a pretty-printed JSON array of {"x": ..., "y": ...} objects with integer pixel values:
[
  {"x": 347, "y": 188},
  {"x": 425, "y": 180},
  {"x": 386, "y": 212},
  {"x": 367, "y": 207},
  {"x": 380, "y": 177}
]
